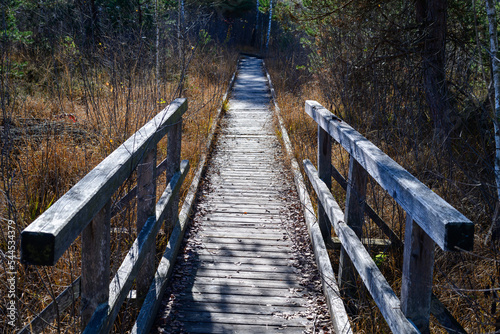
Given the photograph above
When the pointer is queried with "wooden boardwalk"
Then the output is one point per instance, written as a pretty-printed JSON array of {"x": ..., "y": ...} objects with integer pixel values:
[{"x": 246, "y": 267}]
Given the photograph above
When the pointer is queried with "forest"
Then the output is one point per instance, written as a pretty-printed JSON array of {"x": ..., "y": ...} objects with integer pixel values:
[{"x": 420, "y": 79}]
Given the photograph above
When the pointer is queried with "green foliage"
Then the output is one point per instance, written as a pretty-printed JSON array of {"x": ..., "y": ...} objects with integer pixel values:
[
  {"x": 380, "y": 258},
  {"x": 204, "y": 37},
  {"x": 10, "y": 31}
]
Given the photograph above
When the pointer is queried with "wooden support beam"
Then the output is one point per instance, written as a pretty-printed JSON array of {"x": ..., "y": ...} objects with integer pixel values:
[
  {"x": 375, "y": 282},
  {"x": 105, "y": 315},
  {"x": 370, "y": 212},
  {"x": 95, "y": 263},
  {"x": 325, "y": 174},
  {"x": 146, "y": 201},
  {"x": 418, "y": 264},
  {"x": 174, "y": 143},
  {"x": 354, "y": 217},
  {"x": 122, "y": 202}
]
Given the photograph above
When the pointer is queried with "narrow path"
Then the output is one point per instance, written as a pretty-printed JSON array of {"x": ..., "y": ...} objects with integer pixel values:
[{"x": 246, "y": 266}]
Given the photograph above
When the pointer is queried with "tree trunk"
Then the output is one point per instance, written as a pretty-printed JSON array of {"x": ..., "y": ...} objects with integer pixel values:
[
  {"x": 269, "y": 27},
  {"x": 432, "y": 14},
  {"x": 492, "y": 19}
]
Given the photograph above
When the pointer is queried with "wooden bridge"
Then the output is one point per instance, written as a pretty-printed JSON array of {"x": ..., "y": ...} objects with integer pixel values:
[{"x": 254, "y": 259}]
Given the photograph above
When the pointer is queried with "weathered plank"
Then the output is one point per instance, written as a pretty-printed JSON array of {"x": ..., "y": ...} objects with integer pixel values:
[
  {"x": 243, "y": 319},
  {"x": 47, "y": 238},
  {"x": 157, "y": 289},
  {"x": 396, "y": 242},
  {"x": 231, "y": 274},
  {"x": 418, "y": 265},
  {"x": 246, "y": 282},
  {"x": 354, "y": 217},
  {"x": 324, "y": 169},
  {"x": 241, "y": 308},
  {"x": 102, "y": 320},
  {"x": 146, "y": 201},
  {"x": 375, "y": 282},
  {"x": 443, "y": 223},
  {"x": 262, "y": 277},
  {"x": 174, "y": 158},
  {"x": 95, "y": 263},
  {"x": 242, "y": 300},
  {"x": 336, "y": 306},
  {"x": 220, "y": 328}
]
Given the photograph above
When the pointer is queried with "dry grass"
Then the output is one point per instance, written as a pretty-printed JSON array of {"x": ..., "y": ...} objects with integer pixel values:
[
  {"x": 466, "y": 283},
  {"x": 56, "y": 140}
]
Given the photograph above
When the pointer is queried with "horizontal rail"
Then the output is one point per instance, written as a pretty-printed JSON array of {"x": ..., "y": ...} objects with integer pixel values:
[
  {"x": 375, "y": 282},
  {"x": 395, "y": 241},
  {"x": 105, "y": 314},
  {"x": 449, "y": 229},
  {"x": 47, "y": 238}
]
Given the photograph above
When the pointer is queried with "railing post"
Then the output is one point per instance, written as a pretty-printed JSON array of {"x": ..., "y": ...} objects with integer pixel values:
[
  {"x": 95, "y": 263},
  {"x": 174, "y": 137},
  {"x": 146, "y": 201},
  {"x": 325, "y": 174},
  {"x": 418, "y": 265},
  {"x": 354, "y": 217}
]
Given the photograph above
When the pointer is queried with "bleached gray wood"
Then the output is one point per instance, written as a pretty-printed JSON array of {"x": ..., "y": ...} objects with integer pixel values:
[
  {"x": 146, "y": 201},
  {"x": 331, "y": 291},
  {"x": 220, "y": 328},
  {"x": 444, "y": 224},
  {"x": 369, "y": 243},
  {"x": 157, "y": 289},
  {"x": 354, "y": 217},
  {"x": 373, "y": 279},
  {"x": 46, "y": 239},
  {"x": 174, "y": 143},
  {"x": 49, "y": 313},
  {"x": 122, "y": 202},
  {"x": 102, "y": 320},
  {"x": 243, "y": 308},
  {"x": 95, "y": 263},
  {"x": 248, "y": 300},
  {"x": 395, "y": 241},
  {"x": 418, "y": 265},
  {"x": 324, "y": 169},
  {"x": 242, "y": 319},
  {"x": 233, "y": 294}
]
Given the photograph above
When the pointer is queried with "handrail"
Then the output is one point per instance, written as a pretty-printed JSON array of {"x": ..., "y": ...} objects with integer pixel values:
[
  {"x": 443, "y": 223},
  {"x": 375, "y": 282},
  {"x": 104, "y": 316},
  {"x": 430, "y": 220},
  {"x": 86, "y": 209},
  {"x": 47, "y": 238}
]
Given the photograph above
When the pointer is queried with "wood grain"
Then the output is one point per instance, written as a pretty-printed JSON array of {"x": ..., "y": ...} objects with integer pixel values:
[
  {"x": 47, "y": 238},
  {"x": 375, "y": 282},
  {"x": 245, "y": 269},
  {"x": 443, "y": 223}
]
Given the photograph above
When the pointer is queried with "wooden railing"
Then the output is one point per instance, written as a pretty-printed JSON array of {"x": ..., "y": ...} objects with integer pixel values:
[
  {"x": 86, "y": 210},
  {"x": 429, "y": 221}
]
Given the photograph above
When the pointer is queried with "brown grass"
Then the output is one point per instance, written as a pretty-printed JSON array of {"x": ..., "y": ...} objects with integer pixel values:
[
  {"x": 57, "y": 138},
  {"x": 462, "y": 281}
]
